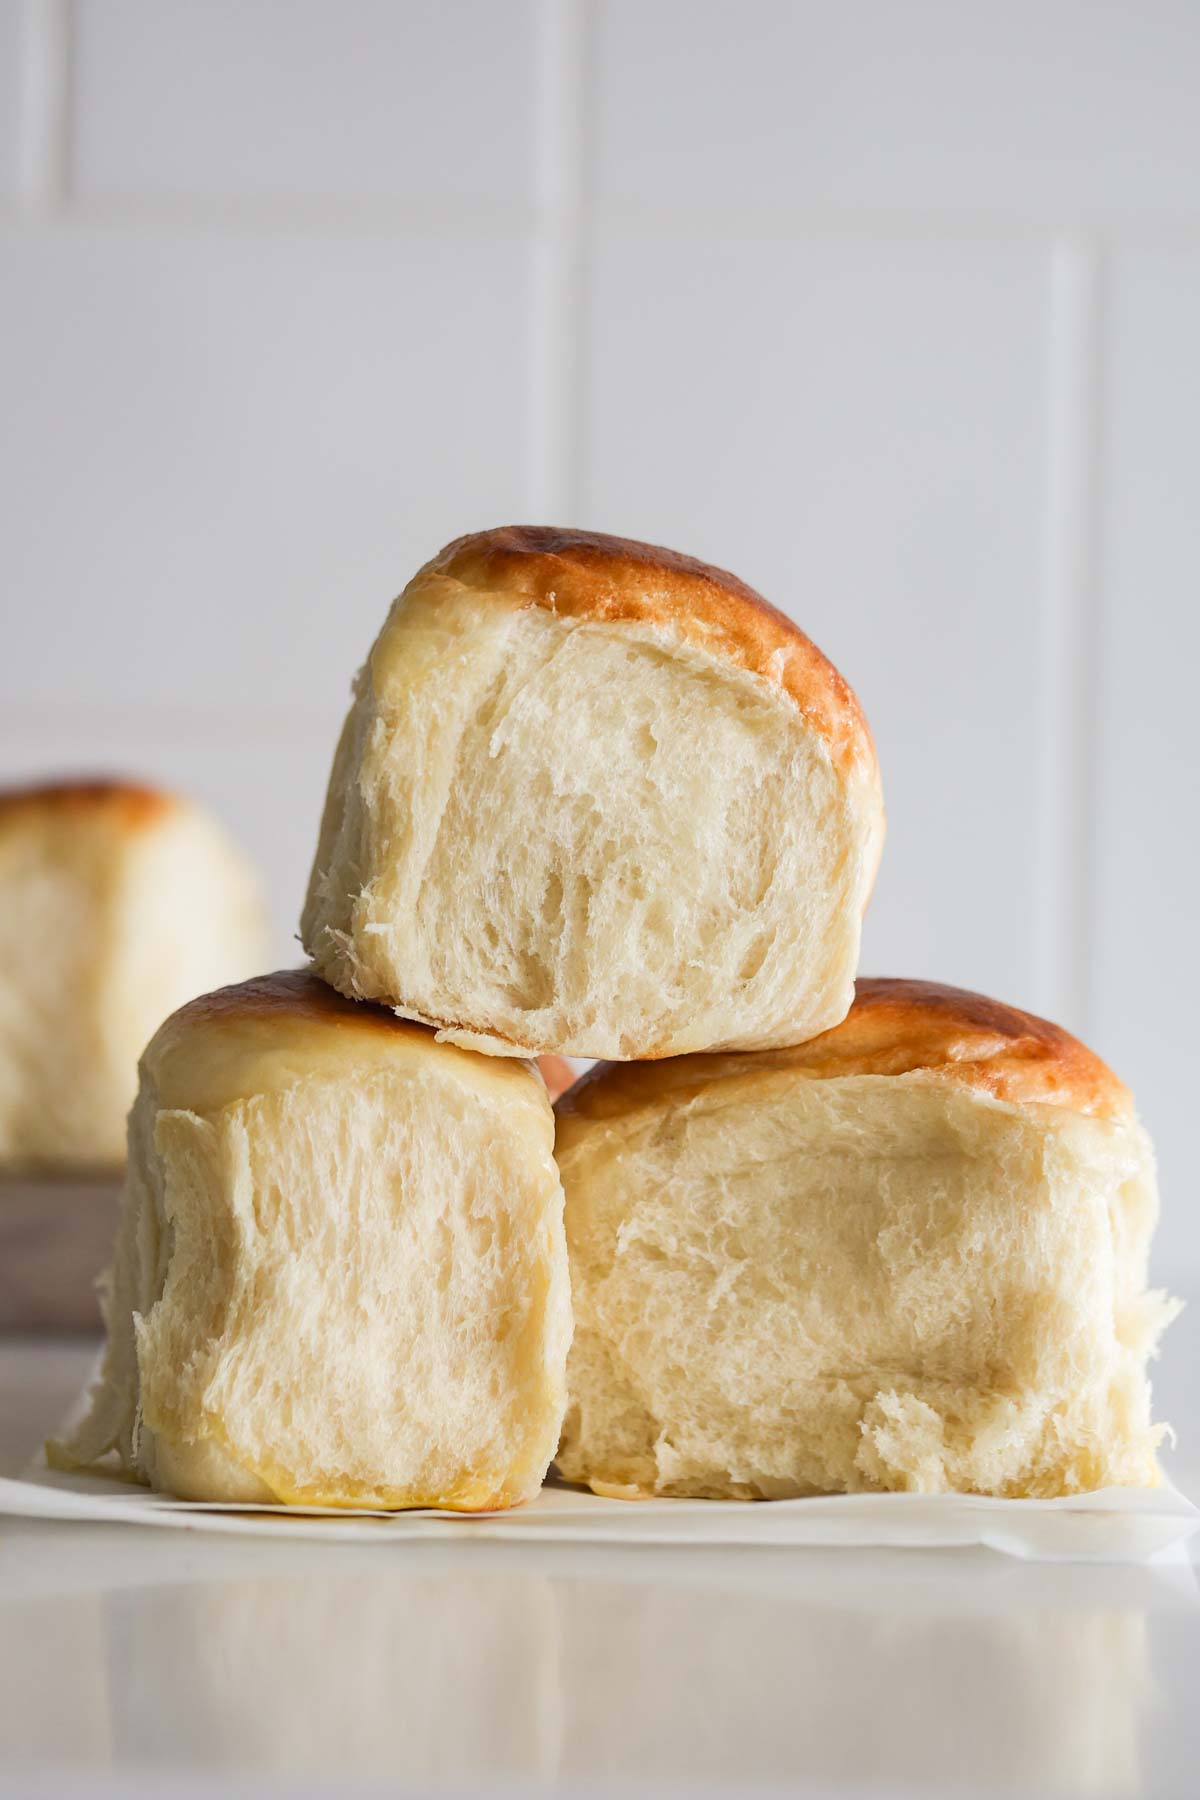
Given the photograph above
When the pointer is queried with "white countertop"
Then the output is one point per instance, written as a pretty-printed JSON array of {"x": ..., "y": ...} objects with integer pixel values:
[{"x": 137, "y": 1662}]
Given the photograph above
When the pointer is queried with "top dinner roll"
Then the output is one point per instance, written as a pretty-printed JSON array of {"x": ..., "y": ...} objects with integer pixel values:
[{"x": 597, "y": 799}]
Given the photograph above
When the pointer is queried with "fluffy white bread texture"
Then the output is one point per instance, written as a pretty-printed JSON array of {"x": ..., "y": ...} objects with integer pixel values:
[
  {"x": 597, "y": 799},
  {"x": 341, "y": 1276},
  {"x": 117, "y": 904},
  {"x": 908, "y": 1255}
]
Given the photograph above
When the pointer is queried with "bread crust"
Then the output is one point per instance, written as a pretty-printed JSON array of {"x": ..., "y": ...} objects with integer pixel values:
[
  {"x": 295, "y": 994},
  {"x": 131, "y": 803},
  {"x": 589, "y": 575},
  {"x": 263, "y": 1034},
  {"x": 895, "y": 1027}
]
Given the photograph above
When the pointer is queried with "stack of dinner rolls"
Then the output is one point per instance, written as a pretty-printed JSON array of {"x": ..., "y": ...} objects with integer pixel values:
[{"x": 595, "y": 799}]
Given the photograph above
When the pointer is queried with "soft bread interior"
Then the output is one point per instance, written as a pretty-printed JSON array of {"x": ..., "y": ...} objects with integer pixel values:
[
  {"x": 875, "y": 1282},
  {"x": 553, "y": 835},
  {"x": 345, "y": 1290},
  {"x": 103, "y": 932}
]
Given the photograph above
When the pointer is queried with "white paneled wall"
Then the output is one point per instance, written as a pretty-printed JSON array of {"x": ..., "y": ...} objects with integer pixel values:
[
  {"x": 277, "y": 100},
  {"x": 971, "y": 107},
  {"x": 855, "y": 425},
  {"x": 228, "y": 435},
  {"x": 893, "y": 309},
  {"x": 10, "y": 77},
  {"x": 1144, "y": 896}
]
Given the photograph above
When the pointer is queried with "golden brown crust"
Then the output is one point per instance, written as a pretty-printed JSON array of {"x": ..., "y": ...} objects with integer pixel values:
[
  {"x": 893, "y": 1028},
  {"x": 129, "y": 802},
  {"x": 294, "y": 995},
  {"x": 586, "y": 574},
  {"x": 267, "y": 1033}
]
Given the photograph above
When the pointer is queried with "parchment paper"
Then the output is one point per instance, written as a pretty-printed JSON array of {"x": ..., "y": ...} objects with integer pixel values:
[{"x": 1111, "y": 1525}]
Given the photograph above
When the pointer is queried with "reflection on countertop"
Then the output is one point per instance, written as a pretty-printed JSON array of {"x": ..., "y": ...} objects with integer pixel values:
[
  {"x": 120, "y": 1649},
  {"x": 126, "y": 1653}
]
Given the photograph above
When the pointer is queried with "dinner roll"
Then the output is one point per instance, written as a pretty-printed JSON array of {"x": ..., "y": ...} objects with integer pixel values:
[
  {"x": 910, "y": 1254},
  {"x": 117, "y": 903},
  {"x": 597, "y": 799},
  {"x": 341, "y": 1277}
]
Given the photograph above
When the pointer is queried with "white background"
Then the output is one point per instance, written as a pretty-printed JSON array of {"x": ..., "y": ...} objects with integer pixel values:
[{"x": 892, "y": 308}]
